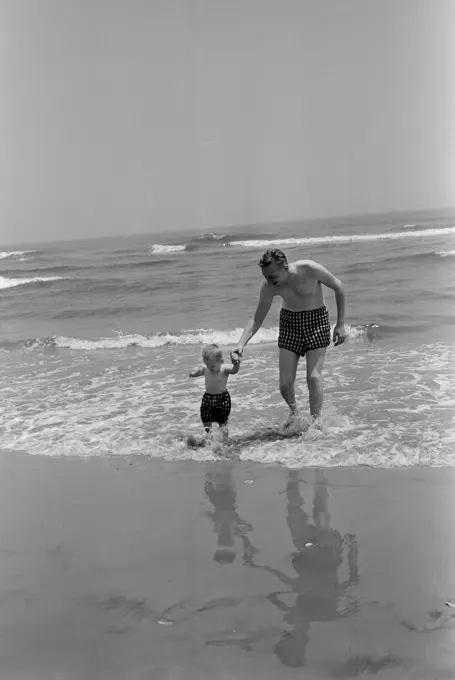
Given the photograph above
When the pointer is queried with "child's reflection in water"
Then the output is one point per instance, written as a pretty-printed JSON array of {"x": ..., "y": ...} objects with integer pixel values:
[{"x": 221, "y": 491}]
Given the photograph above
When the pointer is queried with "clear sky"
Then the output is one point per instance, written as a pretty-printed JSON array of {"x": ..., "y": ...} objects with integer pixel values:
[{"x": 127, "y": 116}]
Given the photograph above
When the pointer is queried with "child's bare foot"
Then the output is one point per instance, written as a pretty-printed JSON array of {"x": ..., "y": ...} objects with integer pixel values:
[
  {"x": 191, "y": 440},
  {"x": 195, "y": 442}
]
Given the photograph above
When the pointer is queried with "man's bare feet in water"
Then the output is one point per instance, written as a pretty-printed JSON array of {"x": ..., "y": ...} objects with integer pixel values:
[
  {"x": 316, "y": 423},
  {"x": 292, "y": 421}
]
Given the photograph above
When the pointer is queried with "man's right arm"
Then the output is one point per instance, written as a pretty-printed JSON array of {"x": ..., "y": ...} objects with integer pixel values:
[{"x": 265, "y": 302}]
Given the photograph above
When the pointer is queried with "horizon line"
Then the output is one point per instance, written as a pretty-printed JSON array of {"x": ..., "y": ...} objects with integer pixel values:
[{"x": 231, "y": 226}]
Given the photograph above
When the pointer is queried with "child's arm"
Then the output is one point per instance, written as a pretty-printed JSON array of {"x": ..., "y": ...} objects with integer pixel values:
[
  {"x": 197, "y": 372},
  {"x": 235, "y": 365}
]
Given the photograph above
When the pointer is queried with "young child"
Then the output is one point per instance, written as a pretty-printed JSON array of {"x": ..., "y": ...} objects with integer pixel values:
[{"x": 216, "y": 401}]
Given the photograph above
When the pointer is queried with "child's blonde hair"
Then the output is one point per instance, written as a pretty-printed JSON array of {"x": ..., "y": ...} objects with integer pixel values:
[{"x": 212, "y": 350}]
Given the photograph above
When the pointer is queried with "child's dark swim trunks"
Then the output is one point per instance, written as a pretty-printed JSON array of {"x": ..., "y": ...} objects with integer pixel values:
[
  {"x": 302, "y": 331},
  {"x": 215, "y": 408}
]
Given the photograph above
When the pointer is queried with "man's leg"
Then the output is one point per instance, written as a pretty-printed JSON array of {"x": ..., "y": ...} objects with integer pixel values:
[
  {"x": 288, "y": 362},
  {"x": 314, "y": 364}
]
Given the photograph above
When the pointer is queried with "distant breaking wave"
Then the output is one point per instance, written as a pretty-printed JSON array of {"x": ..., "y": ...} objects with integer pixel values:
[
  {"x": 189, "y": 337},
  {"x": 267, "y": 240},
  {"x": 257, "y": 243},
  {"x": 166, "y": 250},
  {"x": 200, "y": 242},
  {"x": 16, "y": 253},
  {"x": 12, "y": 283}
]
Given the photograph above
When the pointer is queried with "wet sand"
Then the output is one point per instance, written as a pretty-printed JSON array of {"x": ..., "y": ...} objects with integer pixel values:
[{"x": 139, "y": 569}]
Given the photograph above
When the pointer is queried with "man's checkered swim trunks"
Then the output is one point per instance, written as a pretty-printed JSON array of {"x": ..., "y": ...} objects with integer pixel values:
[
  {"x": 215, "y": 408},
  {"x": 302, "y": 331}
]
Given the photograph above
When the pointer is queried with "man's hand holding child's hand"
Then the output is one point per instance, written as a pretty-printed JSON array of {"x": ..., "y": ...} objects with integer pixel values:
[{"x": 235, "y": 358}]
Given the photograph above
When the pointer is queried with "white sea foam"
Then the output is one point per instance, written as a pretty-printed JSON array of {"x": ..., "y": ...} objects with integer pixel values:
[
  {"x": 15, "y": 253},
  {"x": 158, "y": 249},
  {"x": 190, "y": 337},
  {"x": 12, "y": 283},
  {"x": 201, "y": 337},
  {"x": 446, "y": 253},
  {"x": 313, "y": 240}
]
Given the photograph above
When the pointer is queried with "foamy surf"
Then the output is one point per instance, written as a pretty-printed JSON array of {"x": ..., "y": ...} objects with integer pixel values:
[
  {"x": 15, "y": 253},
  {"x": 391, "y": 409},
  {"x": 13, "y": 283},
  {"x": 313, "y": 240},
  {"x": 223, "y": 338},
  {"x": 158, "y": 249}
]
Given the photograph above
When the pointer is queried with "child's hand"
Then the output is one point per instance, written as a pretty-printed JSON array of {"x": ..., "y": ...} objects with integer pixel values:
[
  {"x": 197, "y": 373},
  {"x": 235, "y": 358}
]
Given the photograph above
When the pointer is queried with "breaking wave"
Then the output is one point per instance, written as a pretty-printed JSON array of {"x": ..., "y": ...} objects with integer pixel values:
[
  {"x": 246, "y": 240},
  {"x": 296, "y": 241},
  {"x": 158, "y": 249},
  {"x": 13, "y": 283},
  {"x": 16, "y": 253},
  {"x": 188, "y": 337}
]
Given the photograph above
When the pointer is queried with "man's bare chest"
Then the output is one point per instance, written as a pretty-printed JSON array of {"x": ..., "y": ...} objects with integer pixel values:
[{"x": 302, "y": 289}]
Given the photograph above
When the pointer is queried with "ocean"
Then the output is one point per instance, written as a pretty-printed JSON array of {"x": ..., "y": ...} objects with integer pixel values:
[{"x": 98, "y": 336}]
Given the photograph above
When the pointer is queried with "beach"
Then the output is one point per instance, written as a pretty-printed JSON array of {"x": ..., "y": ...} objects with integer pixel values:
[
  {"x": 137, "y": 568},
  {"x": 155, "y": 155}
]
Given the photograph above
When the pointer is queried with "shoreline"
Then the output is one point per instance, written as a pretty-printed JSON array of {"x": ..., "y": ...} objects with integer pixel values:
[{"x": 255, "y": 571}]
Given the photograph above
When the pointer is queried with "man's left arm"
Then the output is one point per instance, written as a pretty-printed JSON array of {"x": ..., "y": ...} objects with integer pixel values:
[{"x": 324, "y": 276}]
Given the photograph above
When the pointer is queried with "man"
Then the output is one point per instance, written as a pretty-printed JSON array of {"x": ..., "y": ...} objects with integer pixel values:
[{"x": 304, "y": 322}]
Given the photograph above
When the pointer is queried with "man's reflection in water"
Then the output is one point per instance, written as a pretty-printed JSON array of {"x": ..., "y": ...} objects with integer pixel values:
[
  {"x": 319, "y": 554},
  {"x": 220, "y": 489}
]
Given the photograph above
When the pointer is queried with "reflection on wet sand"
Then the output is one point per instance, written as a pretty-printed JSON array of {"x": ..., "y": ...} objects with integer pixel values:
[
  {"x": 221, "y": 491},
  {"x": 319, "y": 554}
]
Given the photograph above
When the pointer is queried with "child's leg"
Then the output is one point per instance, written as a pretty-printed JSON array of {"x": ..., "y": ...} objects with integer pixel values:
[
  {"x": 206, "y": 413},
  {"x": 223, "y": 413}
]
